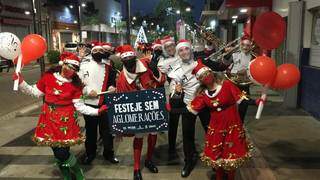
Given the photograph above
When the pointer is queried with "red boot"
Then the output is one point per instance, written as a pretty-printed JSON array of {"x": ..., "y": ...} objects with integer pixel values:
[{"x": 152, "y": 140}]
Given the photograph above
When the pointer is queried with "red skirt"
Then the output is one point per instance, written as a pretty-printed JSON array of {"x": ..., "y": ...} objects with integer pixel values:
[
  {"x": 226, "y": 145},
  {"x": 58, "y": 126}
]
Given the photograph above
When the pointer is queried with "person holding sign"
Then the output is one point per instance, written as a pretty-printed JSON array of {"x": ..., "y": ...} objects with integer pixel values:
[
  {"x": 226, "y": 147},
  {"x": 98, "y": 76},
  {"x": 139, "y": 74},
  {"x": 58, "y": 125},
  {"x": 186, "y": 84}
]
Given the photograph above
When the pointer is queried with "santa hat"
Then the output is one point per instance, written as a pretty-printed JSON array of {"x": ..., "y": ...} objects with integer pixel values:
[
  {"x": 126, "y": 51},
  {"x": 183, "y": 43},
  {"x": 156, "y": 43},
  {"x": 69, "y": 58},
  {"x": 199, "y": 69},
  {"x": 246, "y": 38},
  {"x": 166, "y": 40},
  {"x": 96, "y": 45},
  {"x": 107, "y": 46}
]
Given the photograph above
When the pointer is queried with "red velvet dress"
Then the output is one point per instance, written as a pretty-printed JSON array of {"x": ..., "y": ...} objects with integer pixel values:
[
  {"x": 226, "y": 145},
  {"x": 58, "y": 125}
]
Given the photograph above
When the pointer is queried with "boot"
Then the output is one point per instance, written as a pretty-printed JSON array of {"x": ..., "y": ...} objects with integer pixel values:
[
  {"x": 74, "y": 166},
  {"x": 65, "y": 170},
  {"x": 137, "y": 175}
]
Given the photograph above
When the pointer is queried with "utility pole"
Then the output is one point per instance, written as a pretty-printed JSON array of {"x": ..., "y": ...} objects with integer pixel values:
[
  {"x": 79, "y": 21},
  {"x": 128, "y": 22}
]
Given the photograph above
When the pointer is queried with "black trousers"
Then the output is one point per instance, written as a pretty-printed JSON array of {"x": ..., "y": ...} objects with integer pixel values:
[
  {"x": 91, "y": 124},
  {"x": 61, "y": 153},
  {"x": 243, "y": 106},
  {"x": 172, "y": 132},
  {"x": 188, "y": 132}
]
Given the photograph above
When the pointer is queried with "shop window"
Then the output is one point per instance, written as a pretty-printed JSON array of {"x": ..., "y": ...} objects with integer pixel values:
[{"x": 315, "y": 40}]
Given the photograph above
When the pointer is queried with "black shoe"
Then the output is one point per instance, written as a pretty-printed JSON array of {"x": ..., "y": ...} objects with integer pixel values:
[
  {"x": 111, "y": 158},
  {"x": 150, "y": 165},
  {"x": 137, "y": 175},
  {"x": 87, "y": 159},
  {"x": 188, "y": 167}
]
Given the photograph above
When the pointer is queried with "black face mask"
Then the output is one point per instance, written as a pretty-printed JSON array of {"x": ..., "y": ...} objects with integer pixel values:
[
  {"x": 158, "y": 52},
  {"x": 106, "y": 55},
  {"x": 98, "y": 56},
  {"x": 129, "y": 64}
]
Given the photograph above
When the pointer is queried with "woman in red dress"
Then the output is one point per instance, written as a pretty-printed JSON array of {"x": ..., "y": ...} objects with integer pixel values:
[
  {"x": 58, "y": 125},
  {"x": 226, "y": 147}
]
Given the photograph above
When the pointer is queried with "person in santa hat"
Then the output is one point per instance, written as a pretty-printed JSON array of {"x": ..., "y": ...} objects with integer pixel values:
[
  {"x": 226, "y": 148},
  {"x": 239, "y": 65},
  {"x": 98, "y": 76},
  {"x": 58, "y": 125},
  {"x": 186, "y": 83},
  {"x": 139, "y": 74},
  {"x": 166, "y": 65}
]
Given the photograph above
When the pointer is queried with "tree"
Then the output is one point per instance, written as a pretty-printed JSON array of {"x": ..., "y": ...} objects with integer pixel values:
[{"x": 91, "y": 14}]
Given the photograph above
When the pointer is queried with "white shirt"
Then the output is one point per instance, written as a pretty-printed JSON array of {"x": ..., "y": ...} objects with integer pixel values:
[
  {"x": 166, "y": 65},
  {"x": 183, "y": 74},
  {"x": 92, "y": 75},
  {"x": 240, "y": 62}
]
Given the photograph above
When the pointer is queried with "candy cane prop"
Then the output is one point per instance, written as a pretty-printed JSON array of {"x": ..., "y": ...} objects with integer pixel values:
[
  {"x": 18, "y": 70},
  {"x": 261, "y": 103}
]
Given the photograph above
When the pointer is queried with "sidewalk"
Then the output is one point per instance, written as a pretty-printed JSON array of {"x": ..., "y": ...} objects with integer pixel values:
[{"x": 287, "y": 148}]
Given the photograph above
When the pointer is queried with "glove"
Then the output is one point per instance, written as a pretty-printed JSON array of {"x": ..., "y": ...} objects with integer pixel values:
[
  {"x": 103, "y": 109},
  {"x": 16, "y": 76},
  {"x": 168, "y": 107},
  {"x": 260, "y": 100}
]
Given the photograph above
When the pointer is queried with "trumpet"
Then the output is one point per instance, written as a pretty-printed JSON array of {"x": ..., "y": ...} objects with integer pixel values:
[
  {"x": 233, "y": 46},
  {"x": 209, "y": 36}
]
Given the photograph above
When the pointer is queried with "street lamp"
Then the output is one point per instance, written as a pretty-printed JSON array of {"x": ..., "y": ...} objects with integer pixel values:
[
  {"x": 178, "y": 11},
  {"x": 71, "y": 6},
  {"x": 75, "y": 21},
  {"x": 244, "y": 10},
  {"x": 27, "y": 12},
  {"x": 134, "y": 18},
  {"x": 83, "y": 4},
  {"x": 188, "y": 9}
]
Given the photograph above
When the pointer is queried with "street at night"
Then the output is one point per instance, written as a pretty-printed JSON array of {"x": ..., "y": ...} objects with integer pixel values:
[{"x": 159, "y": 89}]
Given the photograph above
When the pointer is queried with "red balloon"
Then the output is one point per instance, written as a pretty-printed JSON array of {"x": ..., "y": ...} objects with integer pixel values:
[
  {"x": 262, "y": 70},
  {"x": 288, "y": 75},
  {"x": 33, "y": 47},
  {"x": 269, "y": 30}
]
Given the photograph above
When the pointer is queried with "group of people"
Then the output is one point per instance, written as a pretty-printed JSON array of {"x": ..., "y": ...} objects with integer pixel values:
[{"x": 76, "y": 84}]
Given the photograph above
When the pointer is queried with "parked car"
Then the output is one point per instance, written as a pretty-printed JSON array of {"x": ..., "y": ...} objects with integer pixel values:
[
  {"x": 71, "y": 47},
  {"x": 5, "y": 64}
]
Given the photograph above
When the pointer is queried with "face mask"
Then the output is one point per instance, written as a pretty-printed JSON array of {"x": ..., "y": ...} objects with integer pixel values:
[
  {"x": 106, "y": 55},
  {"x": 98, "y": 56},
  {"x": 158, "y": 52},
  {"x": 208, "y": 80},
  {"x": 68, "y": 73},
  {"x": 129, "y": 64}
]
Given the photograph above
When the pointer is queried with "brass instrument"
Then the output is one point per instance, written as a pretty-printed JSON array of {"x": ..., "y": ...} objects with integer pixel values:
[{"x": 209, "y": 36}]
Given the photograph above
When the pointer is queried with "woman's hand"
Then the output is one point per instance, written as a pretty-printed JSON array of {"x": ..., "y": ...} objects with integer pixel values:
[
  {"x": 16, "y": 76},
  {"x": 103, "y": 109},
  {"x": 93, "y": 94},
  {"x": 260, "y": 100},
  {"x": 178, "y": 88}
]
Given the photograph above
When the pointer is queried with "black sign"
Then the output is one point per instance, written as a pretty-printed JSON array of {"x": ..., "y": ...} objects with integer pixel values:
[{"x": 137, "y": 112}]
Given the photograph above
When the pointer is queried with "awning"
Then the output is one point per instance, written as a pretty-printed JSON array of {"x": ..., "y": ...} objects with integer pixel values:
[{"x": 248, "y": 3}]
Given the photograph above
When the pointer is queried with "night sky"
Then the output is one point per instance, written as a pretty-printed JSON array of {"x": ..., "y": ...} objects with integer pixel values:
[{"x": 147, "y": 6}]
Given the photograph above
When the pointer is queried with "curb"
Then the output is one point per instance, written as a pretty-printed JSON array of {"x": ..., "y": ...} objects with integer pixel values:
[{"x": 22, "y": 111}]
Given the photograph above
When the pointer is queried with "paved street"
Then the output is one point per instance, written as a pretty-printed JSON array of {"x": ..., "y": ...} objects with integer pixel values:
[
  {"x": 279, "y": 154},
  {"x": 11, "y": 100}
]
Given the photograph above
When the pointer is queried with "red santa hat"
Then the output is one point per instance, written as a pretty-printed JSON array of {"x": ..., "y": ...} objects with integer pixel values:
[
  {"x": 126, "y": 51},
  {"x": 156, "y": 43},
  {"x": 199, "y": 69},
  {"x": 183, "y": 43},
  {"x": 96, "y": 45},
  {"x": 246, "y": 38},
  {"x": 166, "y": 40},
  {"x": 69, "y": 58},
  {"x": 107, "y": 46}
]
